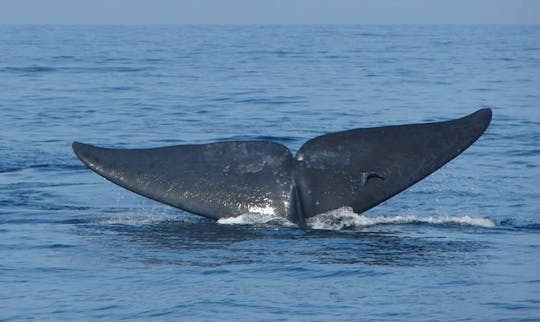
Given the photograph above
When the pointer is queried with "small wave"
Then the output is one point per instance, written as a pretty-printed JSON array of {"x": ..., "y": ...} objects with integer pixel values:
[
  {"x": 42, "y": 166},
  {"x": 515, "y": 223},
  {"x": 346, "y": 218},
  {"x": 76, "y": 69},
  {"x": 28, "y": 69}
]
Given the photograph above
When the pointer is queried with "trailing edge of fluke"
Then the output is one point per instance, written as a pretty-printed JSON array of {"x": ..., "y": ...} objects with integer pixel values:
[{"x": 357, "y": 168}]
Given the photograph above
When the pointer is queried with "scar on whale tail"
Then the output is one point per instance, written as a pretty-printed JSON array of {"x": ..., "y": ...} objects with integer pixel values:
[{"x": 357, "y": 168}]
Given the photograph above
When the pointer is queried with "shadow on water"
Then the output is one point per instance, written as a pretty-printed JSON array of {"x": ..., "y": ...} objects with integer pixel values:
[
  {"x": 397, "y": 248},
  {"x": 208, "y": 244}
]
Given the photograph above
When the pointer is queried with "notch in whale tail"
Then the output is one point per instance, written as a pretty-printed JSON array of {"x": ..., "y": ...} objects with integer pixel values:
[{"x": 357, "y": 168}]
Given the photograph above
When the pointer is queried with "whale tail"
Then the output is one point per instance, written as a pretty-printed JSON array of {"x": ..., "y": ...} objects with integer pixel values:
[
  {"x": 362, "y": 168},
  {"x": 357, "y": 168}
]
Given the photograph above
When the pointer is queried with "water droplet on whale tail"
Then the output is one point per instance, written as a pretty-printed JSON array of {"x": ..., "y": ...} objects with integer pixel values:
[{"x": 357, "y": 168}]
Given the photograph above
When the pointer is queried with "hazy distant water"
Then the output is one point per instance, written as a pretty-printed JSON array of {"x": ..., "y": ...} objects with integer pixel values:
[{"x": 462, "y": 244}]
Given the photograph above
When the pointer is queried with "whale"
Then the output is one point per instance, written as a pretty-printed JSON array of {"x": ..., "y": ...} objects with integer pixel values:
[{"x": 358, "y": 168}]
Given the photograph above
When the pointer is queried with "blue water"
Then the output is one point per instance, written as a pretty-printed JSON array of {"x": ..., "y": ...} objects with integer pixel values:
[{"x": 464, "y": 244}]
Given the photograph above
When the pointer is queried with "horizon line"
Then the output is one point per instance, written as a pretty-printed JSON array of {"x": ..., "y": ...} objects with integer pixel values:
[{"x": 263, "y": 24}]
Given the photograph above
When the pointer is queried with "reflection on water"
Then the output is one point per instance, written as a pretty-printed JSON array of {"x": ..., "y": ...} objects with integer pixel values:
[{"x": 202, "y": 242}]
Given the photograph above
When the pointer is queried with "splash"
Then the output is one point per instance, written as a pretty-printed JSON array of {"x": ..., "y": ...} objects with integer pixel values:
[
  {"x": 266, "y": 210},
  {"x": 146, "y": 217},
  {"x": 346, "y": 218},
  {"x": 132, "y": 220},
  {"x": 256, "y": 218},
  {"x": 339, "y": 219}
]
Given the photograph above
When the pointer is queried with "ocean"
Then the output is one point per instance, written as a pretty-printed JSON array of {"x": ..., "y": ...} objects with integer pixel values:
[{"x": 463, "y": 244}]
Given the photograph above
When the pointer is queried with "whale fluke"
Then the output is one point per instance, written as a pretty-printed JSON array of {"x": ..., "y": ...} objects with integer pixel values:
[
  {"x": 358, "y": 168},
  {"x": 213, "y": 180},
  {"x": 362, "y": 168}
]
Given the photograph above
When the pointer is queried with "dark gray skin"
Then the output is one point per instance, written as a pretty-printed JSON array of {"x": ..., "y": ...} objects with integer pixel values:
[{"x": 357, "y": 168}]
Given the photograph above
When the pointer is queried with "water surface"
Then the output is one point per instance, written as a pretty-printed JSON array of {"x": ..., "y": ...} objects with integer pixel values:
[{"x": 461, "y": 245}]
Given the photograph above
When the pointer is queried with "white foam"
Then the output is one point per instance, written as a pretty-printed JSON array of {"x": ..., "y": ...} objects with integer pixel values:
[
  {"x": 339, "y": 219},
  {"x": 346, "y": 218},
  {"x": 255, "y": 218}
]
